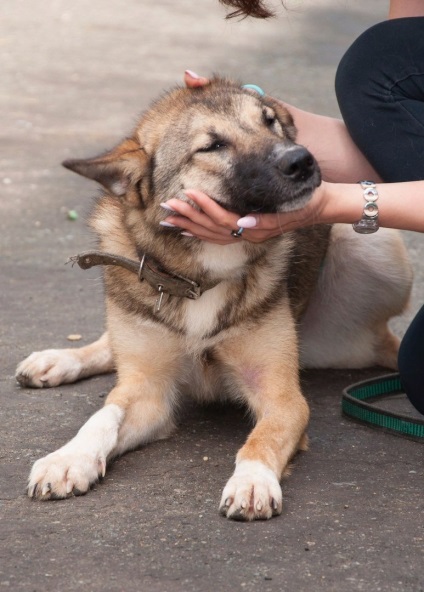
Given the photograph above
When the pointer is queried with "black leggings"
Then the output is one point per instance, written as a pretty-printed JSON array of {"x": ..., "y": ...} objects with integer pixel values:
[{"x": 380, "y": 90}]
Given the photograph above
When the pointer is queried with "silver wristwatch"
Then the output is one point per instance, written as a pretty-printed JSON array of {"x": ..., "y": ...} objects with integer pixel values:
[{"x": 369, "y": 221}]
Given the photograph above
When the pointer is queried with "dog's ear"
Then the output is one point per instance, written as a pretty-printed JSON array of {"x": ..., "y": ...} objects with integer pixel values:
[
  {"x": 116, "y": 170},
  {"x": 284, "y": 117}
]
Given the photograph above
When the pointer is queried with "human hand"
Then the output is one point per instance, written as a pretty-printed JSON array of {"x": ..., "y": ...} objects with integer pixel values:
[{"x": 214, "y": 223}]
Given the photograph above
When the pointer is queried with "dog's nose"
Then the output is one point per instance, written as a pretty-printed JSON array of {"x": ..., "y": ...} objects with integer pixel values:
[{"x": 297, "y": 163}]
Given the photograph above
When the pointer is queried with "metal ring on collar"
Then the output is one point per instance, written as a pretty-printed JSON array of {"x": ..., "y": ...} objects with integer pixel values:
[{"x": 237, "y": 233}]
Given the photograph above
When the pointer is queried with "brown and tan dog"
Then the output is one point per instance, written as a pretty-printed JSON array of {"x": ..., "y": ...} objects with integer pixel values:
[{"x": 205, "y": 319}]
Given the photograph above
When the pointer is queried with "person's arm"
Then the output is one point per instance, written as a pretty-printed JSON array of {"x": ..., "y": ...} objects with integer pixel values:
[
  {"x": 400, "y": 206},
  {"x": 405, "y": 8}
]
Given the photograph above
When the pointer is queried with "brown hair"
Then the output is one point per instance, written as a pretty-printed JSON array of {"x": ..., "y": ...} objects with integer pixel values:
[{"x": 244, "y": 8}]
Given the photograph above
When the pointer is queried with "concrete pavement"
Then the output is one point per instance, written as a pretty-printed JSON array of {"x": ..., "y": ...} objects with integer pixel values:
[{"x": 74, "y": 76}]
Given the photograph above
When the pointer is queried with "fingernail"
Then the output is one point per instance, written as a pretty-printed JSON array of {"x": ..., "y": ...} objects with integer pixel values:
[
  {"x": 187, "y": 234},
  {"x": 167, "y": 224},
  {"x": 166, "y": 207},
  {"x": 247, "y": 222},
  {"x": 192, "y": 74}
]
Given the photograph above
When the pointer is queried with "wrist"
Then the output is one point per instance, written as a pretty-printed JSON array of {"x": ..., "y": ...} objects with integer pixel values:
[{"x": 343, "y": 203}]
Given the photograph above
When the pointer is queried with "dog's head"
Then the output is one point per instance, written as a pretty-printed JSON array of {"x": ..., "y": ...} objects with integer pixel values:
[{"x": 227, "y": 141}]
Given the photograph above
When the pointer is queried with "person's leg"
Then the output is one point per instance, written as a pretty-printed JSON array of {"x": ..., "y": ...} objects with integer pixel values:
[
  {"x": 380, "y": 89},
  {"x": 411, "y": 361}
]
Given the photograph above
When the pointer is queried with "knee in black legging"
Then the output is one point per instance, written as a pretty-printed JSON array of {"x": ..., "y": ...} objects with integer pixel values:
[
  {"x": 411, "y": 362},
  {"x": 380, "y": 90}
]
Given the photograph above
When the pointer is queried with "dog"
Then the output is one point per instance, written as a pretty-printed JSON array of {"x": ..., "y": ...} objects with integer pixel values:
[{"x": 190, "y": 317}]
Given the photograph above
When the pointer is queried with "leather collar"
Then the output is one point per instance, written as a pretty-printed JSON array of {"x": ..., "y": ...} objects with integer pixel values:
[{"x": 162, "y": 281}]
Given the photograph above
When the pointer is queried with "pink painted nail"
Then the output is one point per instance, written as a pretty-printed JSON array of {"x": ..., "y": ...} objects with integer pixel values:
[
  {"x": 247, "y": 222},
  {"x": 166, "y": 207},
  {"x": 167, "y": 224},
  {"x": 192, "y": 74},
  {"x": 187, "y": 234}
]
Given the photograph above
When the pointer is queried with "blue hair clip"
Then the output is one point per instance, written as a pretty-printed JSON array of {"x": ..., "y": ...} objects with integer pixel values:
[{"x": 255, "y": 88}]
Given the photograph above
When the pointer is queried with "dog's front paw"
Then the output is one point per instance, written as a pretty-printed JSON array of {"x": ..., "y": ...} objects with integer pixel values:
[
  {"x": 64, "y": 473},
  {"x": 49, "y": 368},
  {"x": 252, "y": 493}
]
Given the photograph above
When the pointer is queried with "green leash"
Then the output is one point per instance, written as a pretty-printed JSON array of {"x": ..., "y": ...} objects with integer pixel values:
[{"x": 355, "y": 404}]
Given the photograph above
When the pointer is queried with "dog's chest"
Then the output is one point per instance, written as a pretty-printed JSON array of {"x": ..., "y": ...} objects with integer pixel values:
[{"x": 202, "y": 316}]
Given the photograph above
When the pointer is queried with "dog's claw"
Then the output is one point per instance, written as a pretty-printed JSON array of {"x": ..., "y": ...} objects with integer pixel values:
[
  {"x": 252, "y": 493},
  {"x": 223, "y": 509},
  {"x": 238, "y": 516},
  {"x": 102, "y": 467},
  {"x": 32, "y": 491},
  {"x": 55, "y": 497},
  {"x": 49, "y": 368},
  {"x": 46, "y": 489}
]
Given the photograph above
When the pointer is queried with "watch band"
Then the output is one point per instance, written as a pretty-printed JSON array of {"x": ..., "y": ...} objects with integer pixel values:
[{"x": 369, "y": 221}]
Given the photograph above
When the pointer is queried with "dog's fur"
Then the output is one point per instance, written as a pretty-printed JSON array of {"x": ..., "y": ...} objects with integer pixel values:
[{"x": 330, "y": 286}]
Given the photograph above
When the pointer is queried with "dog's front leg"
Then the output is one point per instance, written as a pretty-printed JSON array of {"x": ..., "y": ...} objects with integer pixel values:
[
  {"x": 75, "y": 467},
  {"x": 267, "y": 377},
  {"x": 137, "y": 411},
  {"x": 254, "y": 491},
  {"x": 52, "y": 367}
]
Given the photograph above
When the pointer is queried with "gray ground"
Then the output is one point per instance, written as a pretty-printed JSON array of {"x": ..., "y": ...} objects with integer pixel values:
[{"x": 74, "y": 75}]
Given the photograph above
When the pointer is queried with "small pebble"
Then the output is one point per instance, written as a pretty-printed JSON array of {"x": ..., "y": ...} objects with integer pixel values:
[
  {"x": 72, "y": 215},
  {"x": 74, "y": 337}
]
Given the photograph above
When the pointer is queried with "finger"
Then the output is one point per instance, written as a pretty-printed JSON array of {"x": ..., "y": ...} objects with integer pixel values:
[
  {"x": 193, "y": 80},
  {"x": 221, "y": 235},
  {"x": 220, "y": 238},
  {"x": 260, "y": 221},
  {"x": 197, "y": 224},
  {"x": 279, "y": 223},
  {"x": 203, "y": 218},
  {"x": 210, "y": 232},
  {"x": 212, "y": 209},
  {"x": 216, "y": 239}
]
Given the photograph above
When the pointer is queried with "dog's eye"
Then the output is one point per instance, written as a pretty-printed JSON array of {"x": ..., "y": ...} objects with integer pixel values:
[{"x": 214, "y": 146}]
